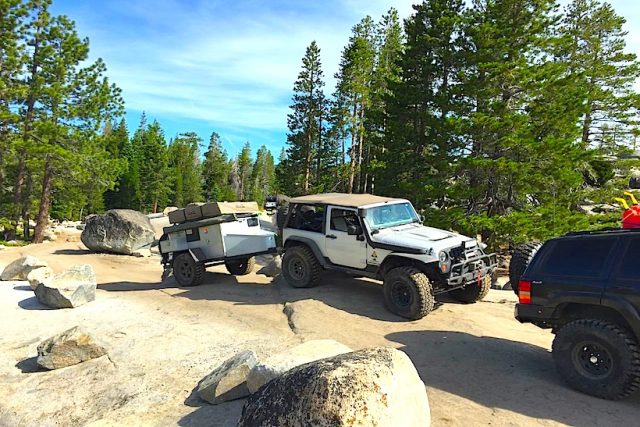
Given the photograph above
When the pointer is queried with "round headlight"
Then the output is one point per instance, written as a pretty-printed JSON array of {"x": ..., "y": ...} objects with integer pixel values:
[{"x": 443, "y": 256}]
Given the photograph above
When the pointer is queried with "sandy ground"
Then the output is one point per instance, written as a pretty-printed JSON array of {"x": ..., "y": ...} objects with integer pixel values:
[{"x": 480, "y": 366}]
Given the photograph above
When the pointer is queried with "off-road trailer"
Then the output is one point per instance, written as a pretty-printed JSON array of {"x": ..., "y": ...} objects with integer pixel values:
[{"x": 226, "y": 237}]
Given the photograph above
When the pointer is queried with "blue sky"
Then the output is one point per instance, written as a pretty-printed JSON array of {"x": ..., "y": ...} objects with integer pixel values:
[{"x": 227, "y": 66}]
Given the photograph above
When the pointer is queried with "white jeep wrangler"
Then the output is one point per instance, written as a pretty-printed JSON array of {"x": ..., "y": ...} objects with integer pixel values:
[{"x": 384, "y": 239}]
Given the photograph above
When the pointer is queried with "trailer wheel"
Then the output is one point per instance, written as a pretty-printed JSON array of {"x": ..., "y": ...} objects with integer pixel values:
[
  {"x": 187, "y": 271},
  {"x": 240, "y": 267}
]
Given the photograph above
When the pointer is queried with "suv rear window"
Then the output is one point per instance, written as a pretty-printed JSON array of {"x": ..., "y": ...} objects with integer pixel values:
[
  {"x": 630, "y": 268},
  {"x": 578, "y": 257}
]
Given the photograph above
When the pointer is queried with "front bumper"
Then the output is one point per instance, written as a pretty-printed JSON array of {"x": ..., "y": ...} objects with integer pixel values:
[{"x": 472, "y": 270}]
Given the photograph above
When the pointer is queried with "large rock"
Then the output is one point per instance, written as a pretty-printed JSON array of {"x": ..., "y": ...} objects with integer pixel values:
[
  {"x": 120, "y": 231},
  {"x": 68, "y": 348},
  {"x": 71, "y": 288},
  {"x": 634, "y": 181},
  {"x": 20, "y": 268},
  {"x": 229, "y": 380},
  {"x": 40, "y": 275},
  {"x": 278, "y": 364},
  {"x": 375, "y": 387}
]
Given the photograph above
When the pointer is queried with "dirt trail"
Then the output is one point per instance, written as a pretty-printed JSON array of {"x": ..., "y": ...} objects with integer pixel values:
[{"x": 480, "y": 366}]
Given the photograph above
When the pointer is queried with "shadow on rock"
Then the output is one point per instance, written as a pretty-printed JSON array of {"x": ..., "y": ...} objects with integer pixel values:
[
  {"x": 224, "y": 415},
  {"x": 73, "y": 252},
  {"x": 340, "y": 291},
  {"x": 499, "y": 373},
  {"x": 29, "y": 365},
  {"x": 32, "y": 304}
]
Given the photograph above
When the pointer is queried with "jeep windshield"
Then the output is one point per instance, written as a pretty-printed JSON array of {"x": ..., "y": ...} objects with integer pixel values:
[{"x": 390, "y": 215}]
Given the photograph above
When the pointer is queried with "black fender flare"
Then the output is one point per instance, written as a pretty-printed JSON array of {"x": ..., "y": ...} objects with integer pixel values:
[
  {"x": 626, "y": 310},
  {"x": 298, "y": 240}
]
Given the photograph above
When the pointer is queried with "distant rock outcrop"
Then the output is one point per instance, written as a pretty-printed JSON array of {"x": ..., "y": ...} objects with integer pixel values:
[
  {"x": 634, "y": 181},
  {"x": 121, "y": 231},
  {"x": 375, "y": 387},
  {"x": 68, "y": 348}
]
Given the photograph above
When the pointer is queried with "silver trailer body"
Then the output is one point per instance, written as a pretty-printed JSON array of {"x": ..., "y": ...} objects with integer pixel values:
[{"x": 214, "y": 240}]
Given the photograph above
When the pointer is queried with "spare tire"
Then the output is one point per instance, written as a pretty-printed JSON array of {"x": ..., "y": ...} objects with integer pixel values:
[
  {"x": 281, "y": 216},
  {"x": 522, "y": 256}
]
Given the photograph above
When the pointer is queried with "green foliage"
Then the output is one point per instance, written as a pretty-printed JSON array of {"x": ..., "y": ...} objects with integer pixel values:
[
  {"x": 185, "y": 169},
  {"x": 216, "y": 171},
  {"x": 154, "y": 188}
]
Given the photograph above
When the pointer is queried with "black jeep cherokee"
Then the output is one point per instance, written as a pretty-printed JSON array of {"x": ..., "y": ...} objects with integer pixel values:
[{"x": 586, "y": 287}]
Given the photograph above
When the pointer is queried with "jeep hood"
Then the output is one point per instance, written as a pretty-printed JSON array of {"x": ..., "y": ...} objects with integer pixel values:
[{"x": 420, "y": 237}]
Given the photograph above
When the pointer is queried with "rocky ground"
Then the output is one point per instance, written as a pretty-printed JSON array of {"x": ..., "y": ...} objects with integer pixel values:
[{"x": 480, "y": 366}]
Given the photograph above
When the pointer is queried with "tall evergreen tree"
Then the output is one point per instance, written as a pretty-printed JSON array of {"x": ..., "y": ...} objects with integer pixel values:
[
  {"x": 184, "y": 168},
  {"x": 154, "y": 187},
  {"x": 244, "y": 166},
  {"x": 263, "y": 175},
  {"x": 216, "y": 171},
  {"x": 306, "y": 123}
]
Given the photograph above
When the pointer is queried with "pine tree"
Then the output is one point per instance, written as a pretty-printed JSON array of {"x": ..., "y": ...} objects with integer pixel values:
[
  {"x": 263, "y": 175},
  {"x": 353, "y": 95},
  {"x": 595, "y": 51},
  {"x": 426, "y": 105},
  {"x": 154, "y": 188},
  {"x": 216, "y": 171},
  {"x": 244, "y": 166},
  {"x": 184, "y": 168},
  {"x": 306, "y": 123},
  {"x": 119, "y": 146}
]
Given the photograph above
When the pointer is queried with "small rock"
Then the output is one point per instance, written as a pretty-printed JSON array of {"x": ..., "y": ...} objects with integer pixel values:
[
  {"x": 280, "y": 363},
  {"x": 229, "y": 380},
  {"x": 374, "y": 387},
  {"x": 273, "y": 268},
  {"x": 20, "y": 268},
  {"x": 71, "y": 288},
  {"x": 142, "y": 253},
  {"x": 40, "y": 275},
  {"x": 68, "y": 348},
  {"x": 50, "y": 236}
]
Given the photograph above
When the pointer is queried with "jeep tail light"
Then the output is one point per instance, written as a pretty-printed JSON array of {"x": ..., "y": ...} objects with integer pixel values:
[{"x": 524, "y": 292}]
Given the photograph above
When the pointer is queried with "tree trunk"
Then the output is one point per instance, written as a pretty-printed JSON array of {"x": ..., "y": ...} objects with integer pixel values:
[
  {"x": 360, "y": 148},
  {"x": 352, "y": 149},
  {"x": 45, "y": 203},
  {"x": 307, "y": 165},
  {"x": 319, "y": 154},
  {"x": 25, "y": 206}
]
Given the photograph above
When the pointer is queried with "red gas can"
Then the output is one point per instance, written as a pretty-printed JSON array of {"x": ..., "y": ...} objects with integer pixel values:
[{"x": 631, "y": 217}]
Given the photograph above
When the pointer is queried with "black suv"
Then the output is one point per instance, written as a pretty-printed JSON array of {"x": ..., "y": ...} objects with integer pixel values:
[{"x": 586, "y": 287}]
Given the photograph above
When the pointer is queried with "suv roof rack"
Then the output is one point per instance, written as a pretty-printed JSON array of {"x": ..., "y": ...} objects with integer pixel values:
[{"x": 604, "y": 231}]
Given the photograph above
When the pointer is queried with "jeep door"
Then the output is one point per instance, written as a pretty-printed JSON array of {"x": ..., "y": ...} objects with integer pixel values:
[
  {"x": 625, "y": 284},
  {"x": 340, "y": 247}
]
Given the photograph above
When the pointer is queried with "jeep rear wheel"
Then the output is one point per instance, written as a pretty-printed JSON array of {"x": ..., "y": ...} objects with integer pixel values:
[
  {"x": 522, "y": 256},
  {"x": 240, "y": 267},
  {"x": 186, "y": 270},
  {"x": 597, "y": 358},
  {"x": 408, "y": 293},
  {"x": 473, "y": 292},
  {"x": 300, "y": 267}
]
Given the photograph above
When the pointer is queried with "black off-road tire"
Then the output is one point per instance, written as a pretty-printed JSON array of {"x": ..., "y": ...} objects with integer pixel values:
[
  {"x": 240, "y": 267},
  {"x": 473, "y": 292},
  {"x": 408, "y": 293},
  {"x": 522, "y": 256},
  {"x": 187, "y": 271},
  {"x": 598, "y": 358},
  {"x": 300, "y": 267}
]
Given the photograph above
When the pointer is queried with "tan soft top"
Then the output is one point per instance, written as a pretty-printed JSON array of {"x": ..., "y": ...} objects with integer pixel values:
[{"x": 344, "y": 199}]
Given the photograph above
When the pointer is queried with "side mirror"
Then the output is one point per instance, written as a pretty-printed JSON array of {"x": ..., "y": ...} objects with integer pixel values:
[{"x": 354, "y": 230}]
